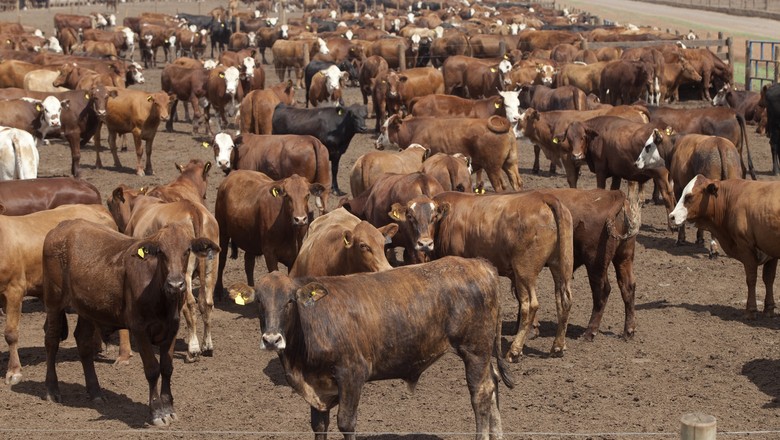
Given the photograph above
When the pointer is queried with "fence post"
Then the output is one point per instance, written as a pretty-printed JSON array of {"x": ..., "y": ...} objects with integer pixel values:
[
  {"x": 777, "y": 64},
  {"x": 720, "y": 37},
  {"x": 730, "y": 51},
  {"x": 748, "y": 65},
  {"x": 306, "y": 56},
  {"x": 697, "y": 426},
  {"x": 501, "y": 49},
  {"x": 238, "y": 23},
  {"x": 401, "y": 57}
]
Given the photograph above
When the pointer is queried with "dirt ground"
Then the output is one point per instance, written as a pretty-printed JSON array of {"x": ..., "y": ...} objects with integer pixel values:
[{"x": 693, "y": 349}]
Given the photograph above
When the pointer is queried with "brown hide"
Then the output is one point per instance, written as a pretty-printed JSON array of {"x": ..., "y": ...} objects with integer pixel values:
[{"x": 370, "y": 166}]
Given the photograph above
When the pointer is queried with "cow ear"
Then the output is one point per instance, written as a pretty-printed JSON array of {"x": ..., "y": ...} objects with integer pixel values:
[
  {"x": 113, "y": 93},
  {"x": 310, "y": 294},
  {"x": 712, "y": 189},
  {"x": 2, "y": 209},
  {"x": 442, "y": 209},
  {"x": 397, "y": 212},
  {"x": 403, "y": 78},
  {"x": 206, "y": 169},
  {"x": 389, "y": 230},
  {"x": 277, "y": 191},
  {"x": 591, "y": 134},
  {"x": 146, "y": 249},
  {"x": 204, "y": 247},
  {"x": 316, "y": 189},
  {"x": 65, "y": 103},
  {"x": 205, "y": 144},
  {"x": 179, "y": 167},
  {"x": 150, "y": 98},
  {"x": 119, "y": 194},
  {"x": 348, "y": 239}
]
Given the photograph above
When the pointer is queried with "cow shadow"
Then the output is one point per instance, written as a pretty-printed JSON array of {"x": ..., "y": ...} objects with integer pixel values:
[
  {"x": 275, "y": 372},
  {"x": 547, "y": 329},
  {"x": 733, "y": 314},
  {"x": 31, "y": 356},
  {"x": 668, "y": 242},
  {"x": 116, "y": 406},
  {"x": 762, "y": 373}
]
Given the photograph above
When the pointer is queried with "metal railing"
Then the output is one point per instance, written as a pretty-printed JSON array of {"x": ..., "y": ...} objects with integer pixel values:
[{"x": 761, "y": 63}]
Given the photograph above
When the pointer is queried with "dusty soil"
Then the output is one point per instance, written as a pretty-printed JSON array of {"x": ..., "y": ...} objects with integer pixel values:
[{"x": 693, "y": 349}]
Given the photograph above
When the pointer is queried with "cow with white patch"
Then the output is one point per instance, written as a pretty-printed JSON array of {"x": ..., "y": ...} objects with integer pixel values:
[
  {"x": 224, "y": 94},
  {"x": 51, "y": 111},
  {"x": 326, "y": 87},
  {"x": 744, "y": 216},
  {"x": 18, "y": 154}
]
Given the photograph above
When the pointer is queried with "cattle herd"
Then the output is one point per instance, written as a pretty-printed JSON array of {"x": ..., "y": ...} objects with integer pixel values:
[{"x": 455, "y": 87}]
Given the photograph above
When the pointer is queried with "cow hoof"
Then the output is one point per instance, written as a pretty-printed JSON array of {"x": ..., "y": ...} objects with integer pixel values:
[
  {"x": 160, "y": 421},
  {"x": 556, "y": 352},
  {"x": 140, "y": 173},
  {"x": 769, "y": 312},
  {"x": 337, "y": 192},
  {"x": 53, "y": 397},
  {"x": 98, "y": 400},
  {"x": 513, "y": 357},
  {"x": 46, "y": 142},
  {"x": 192, "y": 358},
  {"x": 13, "y": 378},
  {"x": 589, "y": 335},
  {"x": 208, "y": 352},
  {"x": 123, "y": 360}
]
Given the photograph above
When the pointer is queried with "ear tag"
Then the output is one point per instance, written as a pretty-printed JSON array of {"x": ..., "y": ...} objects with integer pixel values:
[
  {"x": 141, "y": 253},
  {"x": 668, "y": 131},
  {"x": 506, "y": 56},
  {"x": 341, "y": 112},
  {"x": 221, "y": 75},
  {"x": 86, "y": 95},
  {"x": 205, "y": 144},
  {"x": 37, "y": 107},
  {"x": 497, "y": 104},
  {"x": 149, "y": 98},
  {"x": 396, "y": 215},
  {"x": 555, "y": 140},
  {"x": 493, "y": 70},
  {"x": 346, "y": 242},
  {"x": 275, "y": 192},
  {"x": 240, "y": 300}
]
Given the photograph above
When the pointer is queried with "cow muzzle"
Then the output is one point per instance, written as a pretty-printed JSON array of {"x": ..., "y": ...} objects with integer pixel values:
[
  {"x": 300, "y": 221},
  {"x": 273, "y": 341},
  {"x": 175, "y": 285},
  {"x": 424, "y": 244}
]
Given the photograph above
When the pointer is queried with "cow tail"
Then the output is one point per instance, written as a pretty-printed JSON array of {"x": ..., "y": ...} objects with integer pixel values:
[
  {"x": 576, "y": 96},
  {"x": 503, "y": 369},
  {"x": 563, "y": 221},
  {"x": 18, "y": 167},
  {"x": 632, "y": 214},
  {"x": 743, "y": 137}
]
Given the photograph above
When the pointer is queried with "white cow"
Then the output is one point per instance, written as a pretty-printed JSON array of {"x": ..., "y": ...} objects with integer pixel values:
[{"x": 18, "y": 154}]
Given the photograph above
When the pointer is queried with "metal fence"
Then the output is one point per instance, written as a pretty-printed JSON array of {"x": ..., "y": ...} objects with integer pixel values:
[
  {"x": 761, "y": 63},
  {"x": 742, "y": 7}
]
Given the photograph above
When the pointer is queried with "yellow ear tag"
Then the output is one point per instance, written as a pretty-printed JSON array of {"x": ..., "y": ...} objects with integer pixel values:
[
  {"x": 396, "y": 215},
  {"x": 275, "y": 192},
  {"x": 86, "y": 95},
  {"x": 149, "y": 98},
  {"x": 498, "y": 105},
  {"x": 205, "y": 144},
  {"x": 141, "y": 253},
  {"x": 346, "y": 242},
  {"x": 493, "y": 69},
  {"x": 482, "y": 190},
  {"x": 37, "y": 107},
  {"x": 668, "y": 131},
  {"x": 8, "y": 41},
  {"x": 555, "y": 140},
  {"x": 341, "y": 112},
  {"x": 240, "y": 300},
  {"x": 221, "y": 75}
]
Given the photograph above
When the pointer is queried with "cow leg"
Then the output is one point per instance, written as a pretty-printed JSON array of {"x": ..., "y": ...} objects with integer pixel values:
[
  {"x": 207, "y": 271},
  {"x": 768, "y": 275},
  {"x": 334, "y": 170},
  {"x": 600, "y": 290},
  {"x": 495, "y": 180},
  {"x": 190, "y": 314},
  {"x": 85, "y": 342},
  {"x": 751, "y": 275},
  {"x": 562, "y": 306},
  {"x": 74, "y": 142},
  {"x": 616, "y": 181},
  {"x": 125, "y": 352},
  {"x": 775, "y": 147},
  {"x": 510, "y": 168},
  {"x": 160, "y": 404},
  {"x": 482, "y": 388},
  {"x": 528, "y": 304},
  {"x": 624, "y": 272},
  {"x": 319, "y": 423},
  {"x": 536, "y": 166},
  {"x": 572, "y": 173},
  {"x": 350, "y": 387},
  {"x": 112, "y": 145},
  {"x": 96, "y": 140},
  {"x": 681, "y": 235},
  {"x": 249, "y": 267},
  {"x": 54, "y": 321},
  {"x": 13, "y": 310},
  {"x": 699, "y": 235},
  {"x": 173, "y": 116}
]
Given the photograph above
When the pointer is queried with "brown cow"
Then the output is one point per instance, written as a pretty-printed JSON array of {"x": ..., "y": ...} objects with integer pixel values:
[
  {"x": 520, "y": 234},
  {"x": 123, "y": 39},
  {"x": 75, "y": 77},
  {"x": 142, "y": 288},
  {"x": 711, "y": 156},
  {"x": 190, "y": 184},
  {"x": 263, "y": 217},
  {"x": 12, "y": 72},
  {"x": 277, "y": 156},
  {"x": 744, "y": 217},
  {"x": 473, "y": 78},
  {"x": 586, "y": 77},
  {"x": 458, "y": 313},
  {"x": 624, "y": 82},
  {"x": 388, "y": 48},
  {"x": 257, "y": 107},
  {"x": 148, "y": 215},
  {"x": 224, "y": 93},
  {"x": 352, "y": 246},
  {"x": 186, "y": 85},
  {"x": 543, "y": 98},
  {"x": 404, "y": 199},
  {"x": 139, "y": 113},
  {"x": 454, "y": 106},
  {"x": 409, "y": 84},
  {"x": 712, "y": 69},
  {"x": 371, "y": 69},
  {"x": 744, "y": 102},
  {"x": 326, "y": 87},
  {"x": 489, "y": 143},
  {"x": 289, "y": 55},
  {"x": 21, "y": 197},
  {"x": 713, "y": 121},
  {"x": 151, "y": 38},
  {"x": 20, "y": 269},
  {"x": 370, "y": 166},
  {"x": 452, "y": 171},
  {"x": 80, "y": 22}
]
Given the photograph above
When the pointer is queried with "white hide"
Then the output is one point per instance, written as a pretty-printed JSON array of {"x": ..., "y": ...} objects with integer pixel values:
[
  {"x": 650, "y": 157},
  {"x": 224, "y": 143},
  {"x": 18, "y": 155},
  {"x": 511, "y": 105},
  {"x": 249, "y": 66},
  {"x": 680, "y": 212}
]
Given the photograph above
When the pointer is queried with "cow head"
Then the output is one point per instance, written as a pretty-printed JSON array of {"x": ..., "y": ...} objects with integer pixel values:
[
  {"x": 334, "y": 78},
  {"x": 51, "y": 110},
  {"x": 650, "y": 156},
  {"x": 252, "y": 37},
  {"x": 526, "y": 121},
  {"x": 168, "y": 252},
  {"x": 720, "y": 98},
  {"x": 355, "y": 115},
  {"x": 364, "y": 246},
  {"x": 417, "y": 218},
  {"x": 545, "y": 74},
  {"x": 351, "y": 69},
  {"x": 277, "y": 305},
  {"x": 53, "y": 45},
  {"x": 294, "y": 192},
  {"x": 223, "y": 148},
  {"x": 574, "y": 140},
  {"x": 196, "y": 172},
  {"x": 689, "y": 71},
  {"x": 120, "y": 205},
  {"x": 511, "y": 105},
  {"x": 98, "y": 98},
  {"x": 129, "y": 38},
  {"x": 248, "y": 66},
  {"x": 415, "y": 40},
  {"x": 209, "y": 64},
  {"x": 162, "y": 102},
  {"x": 135, "y": 74},
  {"x": 231, "y": 77},
  {"x": 65, "y": 72},
  {"x": 462, "y": 178},
  {"x": 284, "y": 31},
  {"x": 322, "y": 47},
  {"x": 171, "y": 42},
  {"x": 388, "y": 132},
  {"x": 695, "y": 200}
]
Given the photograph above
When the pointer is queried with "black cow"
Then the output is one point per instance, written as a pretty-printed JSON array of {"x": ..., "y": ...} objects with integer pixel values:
[
  {"x": 770, "y": 99},
  {"x": 201, "y": 21},
  {"x": 333, "y": 126},
  {"x": 315, "y": 66},
  {"x": 329, "y": 354},
  {"x": 219, "y": 34}
]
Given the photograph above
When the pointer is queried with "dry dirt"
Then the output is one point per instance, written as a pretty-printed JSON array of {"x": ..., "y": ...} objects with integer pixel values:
[{"x": 693, "y": 350}]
